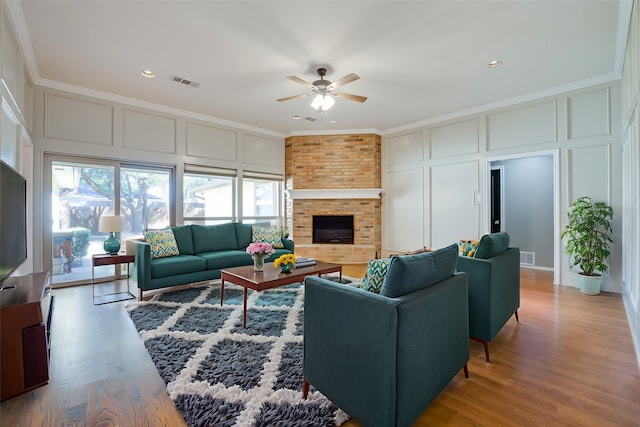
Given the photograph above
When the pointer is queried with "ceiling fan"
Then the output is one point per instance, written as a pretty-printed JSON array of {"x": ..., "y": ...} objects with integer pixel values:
[{"x": 324, "y": 90}]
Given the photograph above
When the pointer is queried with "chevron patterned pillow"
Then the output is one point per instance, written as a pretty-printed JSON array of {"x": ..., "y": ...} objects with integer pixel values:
[
  {"x": 163, "y": 243},
  {"x": 262, "y": 234},
  {"x": 376, "y": 271}
]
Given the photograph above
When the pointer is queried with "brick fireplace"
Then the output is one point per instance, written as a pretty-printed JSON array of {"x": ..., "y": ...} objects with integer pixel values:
[{"x": 335, "y": 175}]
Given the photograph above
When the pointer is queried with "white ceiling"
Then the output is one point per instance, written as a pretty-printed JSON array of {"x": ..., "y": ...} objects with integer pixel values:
[{"x": 418, "y": 60}]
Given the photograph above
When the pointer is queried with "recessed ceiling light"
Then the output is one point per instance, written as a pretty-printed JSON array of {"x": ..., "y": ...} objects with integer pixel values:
[
  {"x": 333, "y": 121},
  {"x": 148, "y": 74},
  {"x": 296, "y": 117},
  {"x": 495, "y": 63}
]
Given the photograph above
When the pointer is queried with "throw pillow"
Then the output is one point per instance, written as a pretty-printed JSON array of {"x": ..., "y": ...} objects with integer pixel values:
[
  {"x": 374, "y": 276},
  {"x": 267, "y": 235},
  {"x": 162, "y": 242},
  {"x": 492, "y": 244},
  {"x": 468, "y": 247},
  {"x": 409, "y": 273}
]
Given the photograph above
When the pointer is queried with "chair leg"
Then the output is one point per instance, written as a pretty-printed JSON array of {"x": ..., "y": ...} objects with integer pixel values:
[
  {"x": 466, "y": 370},
  {"x": 305, "y": 388},
  {"x": 486, "y": 350},
  {"x": 517, "y": 318},
  {"x": 486, "y": 347}
]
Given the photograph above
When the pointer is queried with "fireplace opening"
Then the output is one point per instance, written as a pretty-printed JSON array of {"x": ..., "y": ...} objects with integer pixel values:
[{"x": 333, "y": 229}]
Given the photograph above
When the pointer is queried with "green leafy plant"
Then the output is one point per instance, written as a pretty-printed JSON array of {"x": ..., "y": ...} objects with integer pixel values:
[{"x": 589, "y": 235}]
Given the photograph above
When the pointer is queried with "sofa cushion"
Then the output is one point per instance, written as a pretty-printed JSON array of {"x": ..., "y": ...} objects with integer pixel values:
[
  {"x": 492, "y": 244},
  {"x": 184, "y": 239},
  {"x": 180, "y": 264},
  {"x": 409, "y": 273},
  {"x": 268, "y": 235},
  {"x": 226, "y": 259},
  {"x": 376, "y": 272},
  {"x": 243, "y": 235},
  {"x": 211, "y": 238},
  {"x": 162, "y": 242},
  {"x": 468, "y": 247}
]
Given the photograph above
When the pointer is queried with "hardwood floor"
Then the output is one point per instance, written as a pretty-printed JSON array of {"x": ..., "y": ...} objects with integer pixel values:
[{"x": 569, "y": 362}]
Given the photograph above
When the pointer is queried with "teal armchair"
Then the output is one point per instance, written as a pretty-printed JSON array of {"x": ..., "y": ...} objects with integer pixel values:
[
  {"x": 494, "y": 287},
  {"x": 384, "y": 358}
]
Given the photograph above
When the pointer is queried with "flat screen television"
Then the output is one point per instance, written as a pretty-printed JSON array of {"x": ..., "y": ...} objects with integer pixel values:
[{"x": 13, "y": 220}]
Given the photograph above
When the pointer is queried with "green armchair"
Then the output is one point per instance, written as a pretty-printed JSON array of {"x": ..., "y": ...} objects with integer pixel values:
[
  {"x": 494, "y": 287},
  {"x": 383, "y": 358}
]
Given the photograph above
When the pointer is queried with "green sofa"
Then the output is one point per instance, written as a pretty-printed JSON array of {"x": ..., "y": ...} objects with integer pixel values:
[
  {"x": 383, "y": 358},
  {"x": 494, "y": 287},
  {"x": 203, "y": 251}
]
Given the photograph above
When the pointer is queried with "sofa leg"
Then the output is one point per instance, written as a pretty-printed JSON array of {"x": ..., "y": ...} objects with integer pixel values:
[
  {"x": 305, "y": 388},
  {"x": 466, "y": 370},
  {"x": 139, "y": 294},
  {"x": 517, "y": 318}
]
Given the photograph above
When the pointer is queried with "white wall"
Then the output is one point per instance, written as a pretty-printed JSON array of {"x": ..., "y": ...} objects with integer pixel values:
[
  {"x": 582, "y": 126},
  {"x": 631, "y": 177},
  {"x": 15, "y": 115}
]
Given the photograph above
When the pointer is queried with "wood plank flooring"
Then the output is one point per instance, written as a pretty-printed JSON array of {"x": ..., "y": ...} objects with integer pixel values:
[{"x": 569, "y": 362}]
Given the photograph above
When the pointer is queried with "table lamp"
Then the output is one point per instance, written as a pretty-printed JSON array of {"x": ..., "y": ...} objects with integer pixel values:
[{"x": 111, "y": 224}]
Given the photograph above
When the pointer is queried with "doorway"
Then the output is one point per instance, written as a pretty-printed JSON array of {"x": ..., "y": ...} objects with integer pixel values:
[{"x": 523, "y": 201}]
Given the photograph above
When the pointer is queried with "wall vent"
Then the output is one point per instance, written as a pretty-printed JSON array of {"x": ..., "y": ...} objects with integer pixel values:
[
  {"x": 183, "y": 81},
  {"x": 527, "y": 258}
]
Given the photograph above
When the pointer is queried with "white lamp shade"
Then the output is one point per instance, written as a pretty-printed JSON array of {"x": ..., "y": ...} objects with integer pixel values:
[
  {"x": 317, "y": 102},
  {"x": 322, "y": 102},
  {"x": 110, "y": 223}
]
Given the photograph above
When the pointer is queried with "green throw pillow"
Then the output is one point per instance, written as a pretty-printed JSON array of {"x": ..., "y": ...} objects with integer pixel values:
[
  {"x": 374, "y": 276},
  {"x": 162, "y": 242},
  {"x": 267, "y": 235}
]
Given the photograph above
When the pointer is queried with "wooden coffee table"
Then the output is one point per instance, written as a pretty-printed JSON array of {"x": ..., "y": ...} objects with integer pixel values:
[{"x": 271, "y": 277}]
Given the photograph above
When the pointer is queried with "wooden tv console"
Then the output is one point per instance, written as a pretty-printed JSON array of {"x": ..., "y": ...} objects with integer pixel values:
[{"x": 25, "y": 304}]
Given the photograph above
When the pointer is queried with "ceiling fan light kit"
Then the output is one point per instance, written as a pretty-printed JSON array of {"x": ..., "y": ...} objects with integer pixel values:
[
  {"x": 322, "y": 103},
  {"x": 324, "y": 91}
]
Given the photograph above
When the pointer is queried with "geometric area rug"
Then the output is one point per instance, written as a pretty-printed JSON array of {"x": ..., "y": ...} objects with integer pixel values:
[{"x": 219, "y": 374}]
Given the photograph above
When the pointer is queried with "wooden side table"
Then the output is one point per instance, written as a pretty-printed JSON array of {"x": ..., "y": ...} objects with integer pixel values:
[{"x": 108, "y": 259}]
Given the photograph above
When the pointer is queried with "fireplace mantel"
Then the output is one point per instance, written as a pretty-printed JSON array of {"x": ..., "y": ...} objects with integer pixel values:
[{"x": 339, "y": 193}]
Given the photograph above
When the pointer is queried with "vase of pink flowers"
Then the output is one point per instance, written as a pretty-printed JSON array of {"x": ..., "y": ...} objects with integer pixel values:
[{"x": 259, "y": 251}]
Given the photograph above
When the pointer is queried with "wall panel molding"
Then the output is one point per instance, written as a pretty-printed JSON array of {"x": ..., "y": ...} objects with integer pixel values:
[
  {"x": 589, "y": 114},
  {"x": 149, "y": 132},
  {"x": 72, "y": 119}
]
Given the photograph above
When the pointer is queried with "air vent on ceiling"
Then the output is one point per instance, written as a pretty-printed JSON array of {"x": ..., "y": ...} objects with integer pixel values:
[
  {"x": 311, "y": 119},
  {"x": 184, "y": 81}
]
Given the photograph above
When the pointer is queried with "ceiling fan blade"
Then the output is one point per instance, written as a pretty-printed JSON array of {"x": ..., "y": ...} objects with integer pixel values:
[
  {"x": 349, "y": 96},
  {"x": 302, "y": 82},
  {"x": 343, "y": 81},
  {"x": 289, "y": 98}
]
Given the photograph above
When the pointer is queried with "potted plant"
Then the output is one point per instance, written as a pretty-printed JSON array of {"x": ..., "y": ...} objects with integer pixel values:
[{"x": 588, "y": 241}]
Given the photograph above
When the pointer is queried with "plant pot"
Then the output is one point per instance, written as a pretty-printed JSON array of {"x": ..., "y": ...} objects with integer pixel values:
[
  {"x": 286, "y": 268},
  {"x": 589, "y": 285}
]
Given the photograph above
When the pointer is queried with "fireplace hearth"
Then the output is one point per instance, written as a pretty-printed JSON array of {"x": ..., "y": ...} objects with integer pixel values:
[{"x": 333, "y": 229}]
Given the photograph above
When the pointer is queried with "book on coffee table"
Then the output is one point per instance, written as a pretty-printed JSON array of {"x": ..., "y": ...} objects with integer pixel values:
[{"x": 304, "y": 262}]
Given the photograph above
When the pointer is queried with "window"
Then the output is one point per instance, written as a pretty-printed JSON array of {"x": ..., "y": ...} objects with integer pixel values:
[
  {"x": 81, "y": 192},
  {"x": 144, "y": 200},
  {"x": 208, "y": 195},
  {"x": 262, "y": 200}
]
